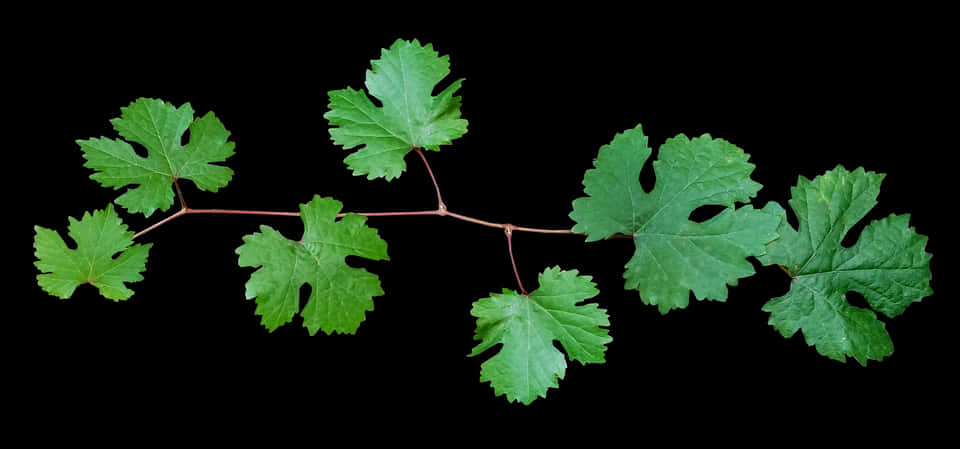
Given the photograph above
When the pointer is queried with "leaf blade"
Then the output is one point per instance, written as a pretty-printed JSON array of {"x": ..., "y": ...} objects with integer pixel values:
[
  {"x": 673, "y": 255},
  {"x": 159, "y": 128},
  {"x": 403, "y": 80},
  {"x": 99, "y": 236},
  {"x": 888, "y": 265},
  {"x": 528, "y": 364},
  {"x": 340, "y": 294}
]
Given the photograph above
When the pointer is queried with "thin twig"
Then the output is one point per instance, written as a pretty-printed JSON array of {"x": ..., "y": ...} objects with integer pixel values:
[
  {"x": 176, "y": 185},
  {"x": 474, "y": 220},
  {"x": 369, "y": 214},
  {"x": 440, "y": 204},
  {"x": 441, "y": 210},
  {"x": 786, "y": 271},
  {"x": 241, "y": 212},
  {"x": 160, "y": 223},
  {"x": 391, "y": 214},
  {"x": 508, "y": 230}
]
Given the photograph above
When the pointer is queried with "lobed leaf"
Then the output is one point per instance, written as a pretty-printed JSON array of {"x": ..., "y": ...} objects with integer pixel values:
[
  {"x": 403, "y": 80},
  {"x": 675, "y": 255},
  {"x": 159, "y": 127},
  {"x": 340, "y": 294},
  {"x": 528, "y": 364},
  {"x": 888, "y": 265},
  {"x": 99, "y": 237}
]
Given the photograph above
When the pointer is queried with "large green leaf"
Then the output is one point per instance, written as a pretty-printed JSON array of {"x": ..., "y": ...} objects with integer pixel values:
[
  {"x": 675, "y": 255},
  {"x": 528, "y": 363},
  {"x": 340, "y": 295},
  {"x": 888, "y": 265},
  {"x": 403, "y": 80},
  {"x": 159, "y": 127},
  {"x": 99, "y": 237}
]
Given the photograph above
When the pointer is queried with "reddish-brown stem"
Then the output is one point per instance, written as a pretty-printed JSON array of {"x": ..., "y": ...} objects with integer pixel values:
[
  {"x": 297, "y": 214},
  {"x": 508, "y": 230},
  {"x": 176, "y": 185},
  {"x": 440, "y": 205},
  {"x": 544, "y": 231},
  {"x": 785, "y": 270},
  {"x": 366, "y": 214},
  {"x": 391, "y": 214},
  {"x": 160, "y": 223},
  {"x": 441, "y": 210},
  {"x": 186, "y": 211},
  {"x": 474, "y": 220},
  {"x": 241, "y": 212}
]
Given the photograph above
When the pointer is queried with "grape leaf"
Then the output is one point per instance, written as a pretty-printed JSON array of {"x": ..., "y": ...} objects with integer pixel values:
[
  {"x": 675, "y": 255},
  {"x": 340, "y": 295},
  {"x": 528, "y": 363},
  {"x": 403, "y": 79},
  {"x": 159, "y": 127},
  {"x": 99, "y": 237},
  {"x": 888, "y": 265}
]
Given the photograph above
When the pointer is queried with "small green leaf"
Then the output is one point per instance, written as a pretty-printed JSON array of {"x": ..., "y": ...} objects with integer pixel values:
[
  {"x": 340, "y": 295},
  {"x": 403, "y": 80},
  {"x": 888, "y": 265},
  {"x": 528, "y": 363},
  {"x": 675, "y": 255},
  {"x": 99, "y": 237},
  {"x": 159, "y": 127}
]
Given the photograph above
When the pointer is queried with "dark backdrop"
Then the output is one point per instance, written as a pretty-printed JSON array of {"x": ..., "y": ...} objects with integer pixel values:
[{"x": 799, "y": 96}]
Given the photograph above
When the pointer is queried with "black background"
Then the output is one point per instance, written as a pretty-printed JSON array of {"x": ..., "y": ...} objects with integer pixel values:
[{"x": 799, "y": 93}]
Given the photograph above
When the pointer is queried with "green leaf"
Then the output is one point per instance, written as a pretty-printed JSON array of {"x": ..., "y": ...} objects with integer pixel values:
[
  {"x": 99, "y": 237},
  {"x": 675, "y": 255},
  {"x": 528, "y": 363},
  {"x": 340, "y": 295},
  {"x": 888, "y": 266},
  {"x": 403, "y": 80},
  {"x": 159, "y": 127}
]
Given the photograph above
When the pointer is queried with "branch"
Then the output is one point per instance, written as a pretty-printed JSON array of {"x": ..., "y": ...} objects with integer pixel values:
[
  {"x": 440, "y": 212},
  {"x": 161, "y": 223}
]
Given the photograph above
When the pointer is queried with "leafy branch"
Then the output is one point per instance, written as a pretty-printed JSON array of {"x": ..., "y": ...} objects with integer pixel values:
[{"x": 674, "y": 256}]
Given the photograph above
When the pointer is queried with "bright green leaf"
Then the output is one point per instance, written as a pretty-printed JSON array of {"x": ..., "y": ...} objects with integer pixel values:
[
  {"x": 340, "y": 295},
  {"x": 159, "y": 127},
  {"x": 99, "y": 237},
  {"x": 888, "y": 265},
  {"x": 675, "y": 255},
  {"x": 528, "y": 363},
  {"x": 403, "y": 80}
]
